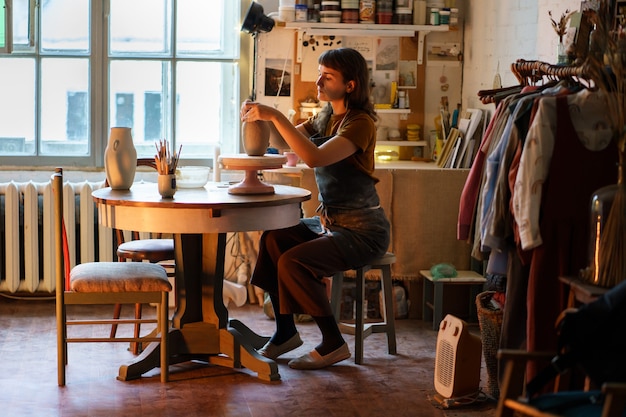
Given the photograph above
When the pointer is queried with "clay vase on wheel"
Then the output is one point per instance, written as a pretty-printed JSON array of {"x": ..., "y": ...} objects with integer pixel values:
[{"x": 255, "y": 137}]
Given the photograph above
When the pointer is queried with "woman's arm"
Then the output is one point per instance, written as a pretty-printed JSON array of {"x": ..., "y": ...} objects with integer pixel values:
[{"x": 334, "y": 150}]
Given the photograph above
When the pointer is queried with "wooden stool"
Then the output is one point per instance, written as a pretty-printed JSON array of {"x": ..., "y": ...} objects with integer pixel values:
[
  {"x": 360, "y": 329},
  {"x": 435, "y": 291}
]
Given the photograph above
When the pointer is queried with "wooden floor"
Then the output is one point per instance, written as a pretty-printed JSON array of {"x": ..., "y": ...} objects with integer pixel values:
[{"x": 384, "y": 385}]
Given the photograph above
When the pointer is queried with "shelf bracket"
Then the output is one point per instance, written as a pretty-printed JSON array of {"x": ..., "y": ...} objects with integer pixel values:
[
  {"x": 421, "y": 37},
  {"x": 299, "y": 46}
]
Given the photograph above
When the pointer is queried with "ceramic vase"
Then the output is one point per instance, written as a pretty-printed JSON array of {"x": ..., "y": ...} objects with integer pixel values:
[
  {"x": 255, "y": 137},
  {"x": 120, "y": 159}
]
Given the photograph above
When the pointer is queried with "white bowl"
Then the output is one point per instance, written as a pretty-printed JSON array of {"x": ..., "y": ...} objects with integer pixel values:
[{"x": 192, "y": 176}]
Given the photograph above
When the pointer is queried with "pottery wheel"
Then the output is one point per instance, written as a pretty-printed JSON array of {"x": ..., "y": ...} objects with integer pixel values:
[{"x": 251, "y": 165}]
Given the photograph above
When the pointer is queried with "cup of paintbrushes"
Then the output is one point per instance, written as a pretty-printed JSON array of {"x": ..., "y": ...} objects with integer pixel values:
[
  {"x": 167, "y": 185},
  {"x": 166, "y": 167}
]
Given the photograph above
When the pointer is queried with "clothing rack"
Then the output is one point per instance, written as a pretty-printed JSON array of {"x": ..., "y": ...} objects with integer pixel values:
[{"x": 529, "y": 73}]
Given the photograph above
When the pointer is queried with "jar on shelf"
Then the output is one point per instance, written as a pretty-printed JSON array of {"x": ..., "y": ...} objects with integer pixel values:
[
  {"x": 349, "y": 11},
  {"x": 419, "y": 12},
  {"x": 330, "y": 12},
  {"x": 434, "y": 16},
  {"x": 384, "y": 6},
  {"x": 404, "y": 16},
  {"x": 350, "y": 4},
  {"x": 401, "y": 99},
  {"x": 330, "y": 6},
  {"x": 413, "y": 132},
  {"x": 454, "y": 18},
  {"x": 302, "y": 13},
  {"x": 384, "y": 11},
  {"x": 444, "y": 17},
  {"x": 367, "y": 11},
  {"x": 404, "y": 3},
  {"x": 349, "y": 15},
  {"x": 314, "y": 10}
]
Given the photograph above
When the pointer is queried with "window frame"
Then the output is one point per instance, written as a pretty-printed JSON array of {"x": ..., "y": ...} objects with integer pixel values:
[
  {"x": 98, "y": 85},
  {"x": 7, "y": 26}
]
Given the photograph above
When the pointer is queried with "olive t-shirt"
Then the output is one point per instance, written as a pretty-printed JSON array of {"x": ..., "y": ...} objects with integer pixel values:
[{"x": 358, "y": 127}]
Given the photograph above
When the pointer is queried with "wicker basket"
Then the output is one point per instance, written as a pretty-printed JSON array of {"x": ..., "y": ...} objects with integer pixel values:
[{"x": 490, "y": 322}]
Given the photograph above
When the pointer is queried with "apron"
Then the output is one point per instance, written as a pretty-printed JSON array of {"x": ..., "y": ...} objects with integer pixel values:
[{"x": 350, "y": 211}]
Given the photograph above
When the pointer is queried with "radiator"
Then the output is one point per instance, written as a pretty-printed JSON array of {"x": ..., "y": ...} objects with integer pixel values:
[{"x": 27, "y": 242}]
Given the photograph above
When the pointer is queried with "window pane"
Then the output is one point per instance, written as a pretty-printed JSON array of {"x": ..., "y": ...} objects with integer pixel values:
[
  {"x": 206, "y": 106},
  {"x": 199, "y": 26},
  {"x": 65, "y": 25},
  {"x": 20, "y": 24},
  {"x": 140, "y": 26},
  {"x": 138, "y": 92},
  {"x": 17, "y": 106},
  {"x": 64, "y": 107}
]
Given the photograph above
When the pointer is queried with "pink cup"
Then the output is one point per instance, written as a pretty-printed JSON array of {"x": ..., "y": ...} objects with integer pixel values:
[{"x": 292, "y": 158}]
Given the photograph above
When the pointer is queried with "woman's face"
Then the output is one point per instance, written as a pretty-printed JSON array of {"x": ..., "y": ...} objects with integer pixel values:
[{"x": 330, "y": 85}]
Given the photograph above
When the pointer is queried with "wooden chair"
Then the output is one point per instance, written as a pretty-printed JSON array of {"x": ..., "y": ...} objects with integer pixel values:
[
  {"x": 94, "y": 283},
  {"x": 156, "y": 250},
  {"x": 360, "y": 329},
  {"x": 512, "y": 386}
]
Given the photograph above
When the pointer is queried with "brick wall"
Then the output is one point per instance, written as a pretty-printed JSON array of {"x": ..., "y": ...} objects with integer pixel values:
[{"x": 504, "y": 31}]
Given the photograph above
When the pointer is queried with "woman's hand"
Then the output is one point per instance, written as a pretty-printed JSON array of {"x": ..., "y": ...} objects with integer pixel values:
[
  {"x": 252, "y": 111},
  {"x": 245, "y": 106}
]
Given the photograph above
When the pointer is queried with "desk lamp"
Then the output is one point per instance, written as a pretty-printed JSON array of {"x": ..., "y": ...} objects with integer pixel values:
[{"x": 254, "y": 23}]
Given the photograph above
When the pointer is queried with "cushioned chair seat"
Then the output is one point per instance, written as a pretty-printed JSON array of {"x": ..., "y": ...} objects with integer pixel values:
[
  {"x": 153, "y": 250},
  {"x": 119, "y": 277}
]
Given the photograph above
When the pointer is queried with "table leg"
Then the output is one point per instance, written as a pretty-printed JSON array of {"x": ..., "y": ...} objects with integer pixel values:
[
  {"x": 201, "y": 329},
  {"x": 148, "y": 360},
  {"x": 239, "y": 348}
]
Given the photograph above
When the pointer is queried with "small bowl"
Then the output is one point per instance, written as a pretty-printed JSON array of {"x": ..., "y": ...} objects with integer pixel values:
[{"x": 192, "y": 176}]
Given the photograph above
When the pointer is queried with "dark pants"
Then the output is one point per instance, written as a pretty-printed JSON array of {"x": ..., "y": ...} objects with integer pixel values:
[{"x": 292, "y": 263}]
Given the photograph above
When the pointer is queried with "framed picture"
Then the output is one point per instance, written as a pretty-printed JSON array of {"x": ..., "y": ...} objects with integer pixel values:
[
  {"x": 407, "y": 74},
  {"x": 277, "y": 79}
]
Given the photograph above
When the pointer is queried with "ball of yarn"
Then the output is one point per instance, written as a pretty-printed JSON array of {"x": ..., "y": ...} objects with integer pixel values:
[{"x": 443, "y": 271}]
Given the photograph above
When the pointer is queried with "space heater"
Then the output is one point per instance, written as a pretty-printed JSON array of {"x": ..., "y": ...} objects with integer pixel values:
[{"x": 457, "y": 360}]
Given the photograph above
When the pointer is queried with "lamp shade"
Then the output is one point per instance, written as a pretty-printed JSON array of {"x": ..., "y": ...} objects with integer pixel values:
[{"x": 255, "y": 21}]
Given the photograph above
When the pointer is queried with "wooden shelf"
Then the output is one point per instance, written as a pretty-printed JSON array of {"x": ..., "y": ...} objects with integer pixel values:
[
  {"x": 401, "y": 143},
  {"x": 393, "y": 111},
  {"x": 363, "y": 26},
  {"x": 360, "y": 29}
]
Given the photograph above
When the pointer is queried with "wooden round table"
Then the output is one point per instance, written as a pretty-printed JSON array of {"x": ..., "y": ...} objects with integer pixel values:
[{"x": 199, "y": 219}]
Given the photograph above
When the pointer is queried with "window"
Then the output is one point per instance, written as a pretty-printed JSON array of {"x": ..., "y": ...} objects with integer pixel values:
[{"x": 168, "y": 69}]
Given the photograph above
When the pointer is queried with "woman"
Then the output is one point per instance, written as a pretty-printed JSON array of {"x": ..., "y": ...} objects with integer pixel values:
[{"x": 352, "y": 228}]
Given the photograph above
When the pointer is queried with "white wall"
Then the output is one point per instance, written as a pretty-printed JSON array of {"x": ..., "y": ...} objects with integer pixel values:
[{"x": 498, "y": 31}]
